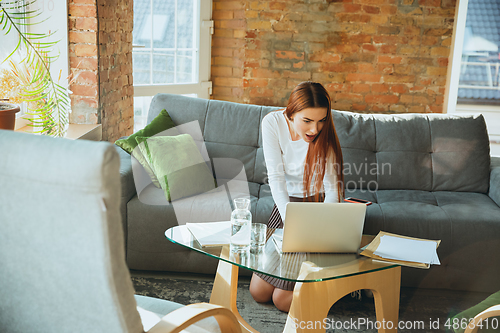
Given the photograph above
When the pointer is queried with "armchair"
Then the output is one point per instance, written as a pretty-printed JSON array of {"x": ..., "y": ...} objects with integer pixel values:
[
  {"x": 482, "y": 317},
  {"x": 61, "y": 246}
]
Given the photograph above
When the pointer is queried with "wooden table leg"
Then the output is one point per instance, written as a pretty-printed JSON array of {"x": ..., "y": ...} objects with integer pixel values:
[
  {"x": 312, "y": 300},
  {"x": 225, "y": 289}
]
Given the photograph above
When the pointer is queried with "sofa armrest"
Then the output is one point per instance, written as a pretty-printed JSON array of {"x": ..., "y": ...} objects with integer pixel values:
[
  {"x": 127, "y": 185},
  {"x": 494, "y": 191}
]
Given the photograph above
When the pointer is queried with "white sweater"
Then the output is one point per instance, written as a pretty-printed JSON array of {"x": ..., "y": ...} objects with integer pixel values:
[{"x": 285, "y": 163}]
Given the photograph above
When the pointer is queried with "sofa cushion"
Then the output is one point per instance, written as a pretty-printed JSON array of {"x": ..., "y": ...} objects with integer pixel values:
[
  {"x": 431, "y": 153},
  {"x": 178, "y": 165},
  {"x": 141, "y": 158},
  {"x": 159, "y": 123}
]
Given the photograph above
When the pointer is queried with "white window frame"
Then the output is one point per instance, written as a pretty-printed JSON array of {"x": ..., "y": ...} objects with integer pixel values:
[
  {"x": 203, "y": 88},
  {"x": 491, "y": 113}
]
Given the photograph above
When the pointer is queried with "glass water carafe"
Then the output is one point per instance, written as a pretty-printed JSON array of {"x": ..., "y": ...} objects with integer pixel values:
[{"x": 241, "y": 222}]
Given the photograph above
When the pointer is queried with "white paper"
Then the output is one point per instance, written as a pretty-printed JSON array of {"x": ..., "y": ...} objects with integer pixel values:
[
  {"x": 211, "y": 233},
  {"x": 422, "y": 251}
]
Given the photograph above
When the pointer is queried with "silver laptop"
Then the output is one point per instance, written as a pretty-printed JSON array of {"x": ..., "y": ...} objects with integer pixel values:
[{"x": 323, "y": 227}]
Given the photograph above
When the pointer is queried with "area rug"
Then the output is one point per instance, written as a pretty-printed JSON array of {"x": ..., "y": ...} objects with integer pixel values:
[{"x": 421, "y": 310}]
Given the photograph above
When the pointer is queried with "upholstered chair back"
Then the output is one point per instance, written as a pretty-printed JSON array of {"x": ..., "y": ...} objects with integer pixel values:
[{"x": 62, "y": 264}]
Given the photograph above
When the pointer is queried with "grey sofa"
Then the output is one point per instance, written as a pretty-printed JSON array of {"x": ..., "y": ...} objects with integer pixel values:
[{"x": 428, "y": 175}]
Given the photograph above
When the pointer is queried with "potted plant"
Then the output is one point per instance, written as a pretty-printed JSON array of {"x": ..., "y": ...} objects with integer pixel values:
[
  {"x": 8, "y": 115},
  {"x": 48, "y": 103}
]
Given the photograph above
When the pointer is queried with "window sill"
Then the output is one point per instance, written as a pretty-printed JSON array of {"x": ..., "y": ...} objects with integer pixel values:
[{"x": 91, "y": 132}]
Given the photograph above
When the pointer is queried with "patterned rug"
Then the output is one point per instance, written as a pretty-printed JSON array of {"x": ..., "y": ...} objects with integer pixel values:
[{"x": 421, "y": 310}]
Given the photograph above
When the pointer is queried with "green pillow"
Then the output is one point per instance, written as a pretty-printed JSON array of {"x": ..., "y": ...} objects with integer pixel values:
[
  {"x": 178, "y": 165},
  {"x": 139, "y": 156},
  {"x": 161, "y": 123}
]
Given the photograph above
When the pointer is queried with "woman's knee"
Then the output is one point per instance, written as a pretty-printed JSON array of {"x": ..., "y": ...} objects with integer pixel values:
[
  {"x": 260, "y": 290},
  {"x": 282, "y": 299}
]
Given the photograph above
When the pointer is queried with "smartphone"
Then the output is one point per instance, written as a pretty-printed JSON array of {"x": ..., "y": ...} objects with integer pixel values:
[{"x": 355, "y": 200}]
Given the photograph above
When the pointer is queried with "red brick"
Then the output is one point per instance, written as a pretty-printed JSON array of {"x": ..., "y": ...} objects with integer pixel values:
[
  {"x": 85, "y": 37},
  {"x": 347, "y": 48},
  {"x": 277, "y": 6},
  {"x": 258, "y": 92},
  {"x": 443, "y": 62},
  {"x": 358, "y": 107},
  {"x": 86, "y": 77},
  {"x": 399, "y": 88},
  {"x": 370, "y": 48},
  {"x": 360, "y": 39},
  {"x": 335, "y": 87},
  {"x": 435, "y": 108},
  {"x": 379, "y": 108},
  {"x": 82, "y": 11},
  {"x": 299, "y": 65},
  {"x": 388, "y": 49},
  {"x": 348, "y": 97},
  {"x": 86, "y": 23},
  {"x": 399, "y": 78},
  {"x": 228, "y": 82},
  {"x": 297, "y": 75},
  {"x": 389, "y": 10},
  {"x": 83, "y": 50},
  {"x": 393, "y": 40},
  {"x": 380, "y": 88},
  {"x": 365, "y": 68},
  {"x": 351, "y": 8},
  {"x": 233, "y": 24},
  {"x": 360, "y": 88},
  {"x": 384, "y": 99},
  {"x": 223, "y": 15},
  {"x": 371, "y": 9},
  {"x": 344, "y": 67},
  {"x": 222, "y": 71},
  {"x": 88, "y": 101},
  {"x": 386, "y": 69},
  {"x": 361, "y": 18},
  {"x": 364, "y": 77},
  {"x": 227, "y": 42},
  {"x": 265, "y": 73},
  {"x": 430, "y": 3},
  {"x": 389, "y": 59},
  {"x": 83, "y": 90},
  {"x": 289, "y": 55},
  {"x": 83, "y": 63}
]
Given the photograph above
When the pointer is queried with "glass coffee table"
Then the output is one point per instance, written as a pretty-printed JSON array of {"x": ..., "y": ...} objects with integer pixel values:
[{"x": 321, "y": 280}]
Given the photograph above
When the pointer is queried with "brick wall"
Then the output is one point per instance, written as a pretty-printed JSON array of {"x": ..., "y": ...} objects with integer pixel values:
[
  {"x": 372, "y": 55},
  {"x": 100, "y": 46}
]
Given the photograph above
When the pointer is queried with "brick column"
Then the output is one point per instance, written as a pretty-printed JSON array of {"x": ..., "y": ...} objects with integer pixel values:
[
  {"x": 83, "y": 61},
  {"x": 116, "y": 91},
  {"x": 100, "y": 46},
  {"x": 371, "y": 55}
]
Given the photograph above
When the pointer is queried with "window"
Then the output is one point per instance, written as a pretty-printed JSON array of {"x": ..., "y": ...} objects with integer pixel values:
[
  {"x": 474, "y": 71},
  {"x": 480, "y": 63},
  {"x": 171, "y": 54}
]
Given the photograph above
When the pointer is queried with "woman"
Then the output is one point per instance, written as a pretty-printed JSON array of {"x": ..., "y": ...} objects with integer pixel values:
[{"x": 304, "y": 163}]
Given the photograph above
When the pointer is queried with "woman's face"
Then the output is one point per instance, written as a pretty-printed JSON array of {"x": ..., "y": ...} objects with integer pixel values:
[{"x": 308, "y": 123}]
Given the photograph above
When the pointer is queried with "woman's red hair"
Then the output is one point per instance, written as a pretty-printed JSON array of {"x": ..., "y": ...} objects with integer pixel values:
[{"x": 325, "y": 148}]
